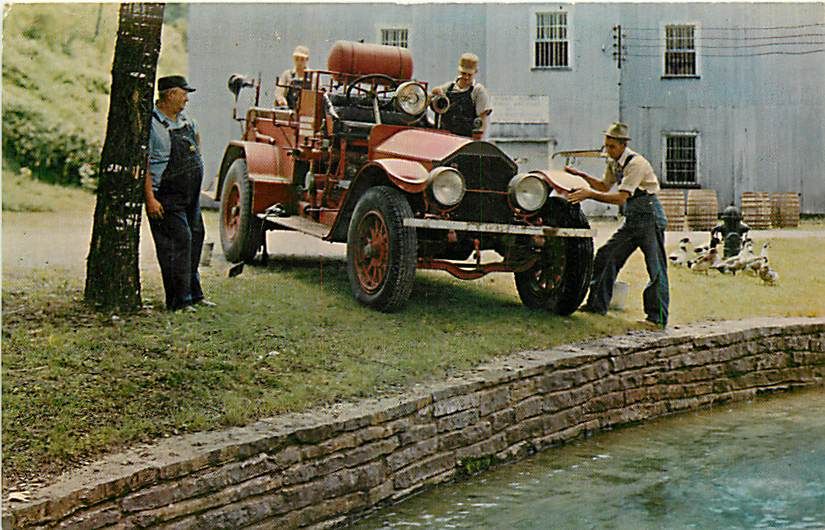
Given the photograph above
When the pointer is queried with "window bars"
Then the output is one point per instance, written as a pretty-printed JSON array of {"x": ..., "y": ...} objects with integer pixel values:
[
  {"x": 680, "y": 159},
  {"x": 394, "y": 37},
  {"x": 551, "y": 46},
  {"x": 680, "y": 51}
]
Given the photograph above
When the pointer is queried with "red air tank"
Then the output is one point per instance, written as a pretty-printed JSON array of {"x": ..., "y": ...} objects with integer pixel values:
[{"x": 358, "y": 58}]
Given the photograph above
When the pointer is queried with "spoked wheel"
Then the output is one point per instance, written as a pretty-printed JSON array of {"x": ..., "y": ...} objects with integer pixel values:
[
  {"x": 381, "y": 252},
  {"x": 559, "y": 280},
  {"x": 242, "y": 232}
]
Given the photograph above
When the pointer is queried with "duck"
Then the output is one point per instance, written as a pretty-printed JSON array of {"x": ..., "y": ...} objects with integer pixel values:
[
  {"x": 768, "y": 275},
  {"x": 679, "y": 256},
  {"x": 754, "y": 263}
]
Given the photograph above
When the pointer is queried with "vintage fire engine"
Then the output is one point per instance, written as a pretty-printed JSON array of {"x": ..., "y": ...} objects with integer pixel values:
[{"x": 357, "y": 160}]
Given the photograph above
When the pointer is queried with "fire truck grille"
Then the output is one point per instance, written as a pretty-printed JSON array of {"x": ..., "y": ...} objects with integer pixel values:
[{"x": 486, "y": 179}]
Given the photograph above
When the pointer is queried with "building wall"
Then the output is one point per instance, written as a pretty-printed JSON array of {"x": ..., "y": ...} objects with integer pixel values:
[{"x": 760, "y": 119}]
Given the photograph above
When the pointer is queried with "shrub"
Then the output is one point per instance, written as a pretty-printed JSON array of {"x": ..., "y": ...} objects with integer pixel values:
[{"x": 53, "y": 152}]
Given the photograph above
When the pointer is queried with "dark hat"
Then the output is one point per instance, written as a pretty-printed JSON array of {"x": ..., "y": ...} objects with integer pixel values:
[{"x": 173, "y": 81}]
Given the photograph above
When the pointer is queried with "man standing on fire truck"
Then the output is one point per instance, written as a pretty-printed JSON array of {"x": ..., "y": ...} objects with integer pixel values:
[
  {"x": 469, "y": 100},
  {"x": 290, "y": 77},
  {"x": 172, "y": 191},
  {"x": 643, "y": 227}
]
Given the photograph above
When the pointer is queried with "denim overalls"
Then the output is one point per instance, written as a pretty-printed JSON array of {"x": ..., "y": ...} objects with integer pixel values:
[
  {"x": 179, "y": 234},
  {"x": 644, "y": 227}
]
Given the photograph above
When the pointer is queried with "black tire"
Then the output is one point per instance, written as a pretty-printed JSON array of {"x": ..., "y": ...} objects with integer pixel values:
[
  {"x": 242, "y": 233},
  {"x": 560, "y": 279},
  {"x": 381, "y": 252}
]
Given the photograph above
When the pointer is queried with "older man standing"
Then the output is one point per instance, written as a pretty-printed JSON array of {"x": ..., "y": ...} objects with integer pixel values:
[
  {"x": 172, "y": 192},
  {"x": 468, "y": 100},
  {"x": 643, "y": 227}
]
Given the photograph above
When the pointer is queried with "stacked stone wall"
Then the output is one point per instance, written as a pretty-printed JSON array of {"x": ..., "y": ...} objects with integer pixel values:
[{"x": 325, "y": 468}]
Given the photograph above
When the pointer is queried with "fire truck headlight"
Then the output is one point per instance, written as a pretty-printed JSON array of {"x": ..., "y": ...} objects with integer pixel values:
[
  {"x": 446, "y": 186},
  {"x": 411, "y": 98},
  {"x": 528, "y": 192}
]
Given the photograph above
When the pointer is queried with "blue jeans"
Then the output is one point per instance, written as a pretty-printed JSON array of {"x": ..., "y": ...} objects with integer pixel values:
[
  {"x": 644, "y": 228},
  {"x": 178, "y": 243}
]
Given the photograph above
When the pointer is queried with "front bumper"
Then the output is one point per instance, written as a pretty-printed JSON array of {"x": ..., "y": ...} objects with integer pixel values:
[{"x": 497, "y": 228}]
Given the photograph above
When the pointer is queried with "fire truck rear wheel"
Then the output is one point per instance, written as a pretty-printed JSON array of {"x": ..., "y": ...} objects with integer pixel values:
[
  {"x": 559, "y": 281},
  {"x": 242, "y": 232},
  {"x": 381, "y": 252}
]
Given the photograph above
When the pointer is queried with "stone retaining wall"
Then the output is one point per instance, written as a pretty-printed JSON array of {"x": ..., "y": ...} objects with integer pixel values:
[{"x": 324, "y": 468}]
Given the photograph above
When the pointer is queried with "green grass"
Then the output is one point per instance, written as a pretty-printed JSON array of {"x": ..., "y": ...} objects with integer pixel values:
[{"x": 289, "y": 336}]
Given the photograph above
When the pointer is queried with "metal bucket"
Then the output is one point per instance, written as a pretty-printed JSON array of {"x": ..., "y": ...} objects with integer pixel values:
[{"x": 619, "y": 299}]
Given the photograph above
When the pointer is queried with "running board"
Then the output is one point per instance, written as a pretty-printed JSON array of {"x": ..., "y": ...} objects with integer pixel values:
[{"x": 297, "y": 223}]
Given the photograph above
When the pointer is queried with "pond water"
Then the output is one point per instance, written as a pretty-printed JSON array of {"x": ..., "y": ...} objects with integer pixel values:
[{"x": 757, "y": 464}]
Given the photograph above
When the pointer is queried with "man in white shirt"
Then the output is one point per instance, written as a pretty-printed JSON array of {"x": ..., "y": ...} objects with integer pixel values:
[{"x": 643, "y": 227}]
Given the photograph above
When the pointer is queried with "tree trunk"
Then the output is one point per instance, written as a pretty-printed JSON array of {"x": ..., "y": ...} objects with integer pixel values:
[{"x": 112, "y": 268}]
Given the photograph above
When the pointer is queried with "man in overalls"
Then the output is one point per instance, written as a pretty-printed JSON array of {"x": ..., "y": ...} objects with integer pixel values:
[
  {"x": 643, "y": 227},
  {"x": 172, "y": 192},
  {"x": 468, "y": 100},
  {"x": 292, "y": 79}
]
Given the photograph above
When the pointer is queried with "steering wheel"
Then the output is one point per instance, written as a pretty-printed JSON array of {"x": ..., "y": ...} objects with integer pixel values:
[{"x": 372, "y": 92}]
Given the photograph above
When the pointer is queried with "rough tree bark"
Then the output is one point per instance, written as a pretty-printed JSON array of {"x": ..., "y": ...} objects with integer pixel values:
[{"x": 112, "y": 267}]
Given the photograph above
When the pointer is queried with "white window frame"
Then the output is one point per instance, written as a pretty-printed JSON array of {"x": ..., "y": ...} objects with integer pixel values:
[
  {"x": 697, "y": 145},
  {"x": 533, "y": 37},
  {"x": 381, "y": 28},
  {"x": 697, "y": 49}
]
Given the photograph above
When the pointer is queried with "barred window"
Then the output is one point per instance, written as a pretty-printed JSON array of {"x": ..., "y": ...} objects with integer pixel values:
[
  {"x": 680, "y": 158},
  {"x": 394, "y": 37},
  {"x": 680, "y": 51},
  {"x": 551, "y": 45}
]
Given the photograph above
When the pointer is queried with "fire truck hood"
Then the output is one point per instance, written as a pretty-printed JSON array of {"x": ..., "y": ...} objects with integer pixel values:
[{"x": 425, "y": 146}]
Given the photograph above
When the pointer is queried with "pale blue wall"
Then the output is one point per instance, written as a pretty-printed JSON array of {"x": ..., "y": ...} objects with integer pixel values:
[{"x": 761, "y": 120}]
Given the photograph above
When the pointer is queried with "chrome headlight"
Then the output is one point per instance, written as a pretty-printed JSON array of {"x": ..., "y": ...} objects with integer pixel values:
[
  {"x": 447, "y": 186},
  {"x": 528, "y": 191},
  {"x": 411, "y": 98}
]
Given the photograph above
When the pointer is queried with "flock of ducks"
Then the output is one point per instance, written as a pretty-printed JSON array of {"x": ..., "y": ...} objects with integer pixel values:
[{"x": 705, "y": 258}]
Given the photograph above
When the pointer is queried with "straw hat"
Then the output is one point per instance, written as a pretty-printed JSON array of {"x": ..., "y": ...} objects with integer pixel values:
[
  {"x": 617, "y": 130},
  {"x": 468, "y": 63},
  {"x": 300, "y": 51}
]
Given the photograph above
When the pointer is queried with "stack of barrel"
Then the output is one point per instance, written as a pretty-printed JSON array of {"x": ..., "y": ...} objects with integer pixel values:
[
  {"x": 673, "y": 203},
  {"x": 785, "y": 209},
  {"x": 756, "y": 209},
  {"x": 702, "y": 209}
]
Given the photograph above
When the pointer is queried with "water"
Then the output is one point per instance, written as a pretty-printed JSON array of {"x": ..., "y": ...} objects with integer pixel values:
[{"x": 759, "y": 464}]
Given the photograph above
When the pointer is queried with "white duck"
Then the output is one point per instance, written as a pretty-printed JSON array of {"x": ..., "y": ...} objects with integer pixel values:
[
  {"x": 755, "y": 263},
  {"x": 679, "y": 256}
]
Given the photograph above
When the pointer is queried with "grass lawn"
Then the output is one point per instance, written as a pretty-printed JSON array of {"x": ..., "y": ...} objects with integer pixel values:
[{"x": 290, "y": 336}]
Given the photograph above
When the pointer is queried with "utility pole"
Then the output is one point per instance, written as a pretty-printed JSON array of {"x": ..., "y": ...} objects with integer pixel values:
[{"x": 618, "y": 50}]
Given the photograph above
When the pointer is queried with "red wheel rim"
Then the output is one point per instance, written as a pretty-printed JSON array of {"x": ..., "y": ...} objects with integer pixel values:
[
  {"x": 232, "y": 212},
  {"x": 372, "y": 251}
]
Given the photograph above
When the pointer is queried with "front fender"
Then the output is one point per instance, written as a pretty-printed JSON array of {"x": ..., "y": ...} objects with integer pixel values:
[{"x": 408, "y": 175}]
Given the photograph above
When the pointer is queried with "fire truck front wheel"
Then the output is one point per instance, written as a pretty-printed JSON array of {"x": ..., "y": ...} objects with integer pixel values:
[
  {"x": 559, "y": 280},
  {"x": 242, "y": 232},
  {"x": 381, "y": 252}
]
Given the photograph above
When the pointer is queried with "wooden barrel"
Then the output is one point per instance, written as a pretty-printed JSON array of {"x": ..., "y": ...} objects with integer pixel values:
[
  {"x": 756, "y": 209},
  {"x": 702, "y": 209},
  {"x": 673, "y": 202},
  {"x": 785, "y": 209}
]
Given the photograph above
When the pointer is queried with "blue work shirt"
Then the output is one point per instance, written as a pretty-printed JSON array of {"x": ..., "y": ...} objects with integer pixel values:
[{"x": 160, "y": 145}]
